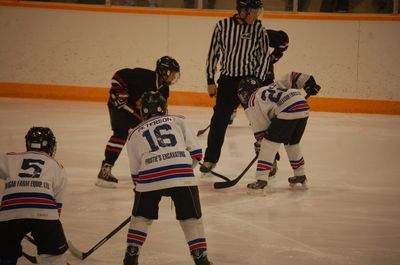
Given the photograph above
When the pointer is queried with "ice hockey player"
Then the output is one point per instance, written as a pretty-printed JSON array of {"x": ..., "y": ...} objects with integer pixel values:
[
  {"x": 162, "y": 152},
  {"x": 127, "y": 86},
  {"x": 34, "y": 188},
  {"x": 278, "y": 114}
]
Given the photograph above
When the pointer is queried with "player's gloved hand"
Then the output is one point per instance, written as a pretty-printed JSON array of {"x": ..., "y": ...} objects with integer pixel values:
[
  {"x": 311, "y": 87},
  {"x": 276, "y": 55},
  {"x": 195, "y": 162},
  {"x": 119, "y": 99},
  {"x": 257, "y": 146},
  {"x": 212, "y": 90}
]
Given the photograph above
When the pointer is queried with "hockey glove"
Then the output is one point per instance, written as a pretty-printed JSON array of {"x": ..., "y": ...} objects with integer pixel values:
[
  {"x": 119, "y": 99},
  {"x": 311, "y": 87},
  {"x": 276, "y": 55},
  {"x": 257, "y": 146}
]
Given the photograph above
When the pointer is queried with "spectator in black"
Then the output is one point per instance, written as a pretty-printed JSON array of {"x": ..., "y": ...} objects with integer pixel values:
[
  {"x": 302, "y": 5},
  {"x": 208, "y": 4},
  {"x": 335, "y": 6}
]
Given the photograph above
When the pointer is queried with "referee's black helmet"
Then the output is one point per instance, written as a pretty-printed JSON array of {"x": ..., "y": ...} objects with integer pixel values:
[{"x": 248, "y": 4}]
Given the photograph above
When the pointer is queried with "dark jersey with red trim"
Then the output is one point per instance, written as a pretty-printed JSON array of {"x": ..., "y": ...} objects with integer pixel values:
[{"x": 129, "y": 85}]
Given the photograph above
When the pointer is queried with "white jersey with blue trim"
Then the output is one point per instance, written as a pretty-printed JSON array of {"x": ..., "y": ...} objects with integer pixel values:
[
  {"x": 161, "y": 152},
  {"x": 274, "y": 101},
  {"x": 34, "y": 186}
]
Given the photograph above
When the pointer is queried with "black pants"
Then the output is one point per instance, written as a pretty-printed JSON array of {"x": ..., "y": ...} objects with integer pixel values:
[
  {"x": 48, "y": 234},
  {"x": 186, "y": 201},
  {"x": 288, "y": 132},
  {"x": 227, "y": 101},
  {"x": 121, "y": 121}
]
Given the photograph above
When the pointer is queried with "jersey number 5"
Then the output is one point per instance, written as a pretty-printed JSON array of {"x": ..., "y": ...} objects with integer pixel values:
[
  {"x": 163, "y": 139},
  {"x": 29, "y": 164}
]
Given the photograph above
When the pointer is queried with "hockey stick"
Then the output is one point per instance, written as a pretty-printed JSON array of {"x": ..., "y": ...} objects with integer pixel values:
[
  {"x": 200, "y": 132},
  {"x": 215, "y": 173},
  {"x": 83, "y": 255},
  {"x": 230, "y": 183}
]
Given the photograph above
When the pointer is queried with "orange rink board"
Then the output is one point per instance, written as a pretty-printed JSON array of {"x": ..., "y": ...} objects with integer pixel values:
[
  {"x": 184, "y": 98},
  {"x": 61, "y": 92}
]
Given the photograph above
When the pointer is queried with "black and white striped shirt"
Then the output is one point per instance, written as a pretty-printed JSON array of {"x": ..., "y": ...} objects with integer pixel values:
[{"x": 241, "y": 49}]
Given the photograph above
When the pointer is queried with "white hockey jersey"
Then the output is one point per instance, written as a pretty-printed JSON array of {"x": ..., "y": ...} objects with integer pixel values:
[
  {"x": 161, "y": 152},
  {"x": 34, "y": 186},
  {"x": 281, "y": 99}
]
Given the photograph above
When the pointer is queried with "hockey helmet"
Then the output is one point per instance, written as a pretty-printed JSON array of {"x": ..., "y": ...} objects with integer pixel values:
[
  {"x": 41, "y": 139},
  {"x": 152, "y": 104},
  {"x": 246, "y": 87},
  {"x": 248, "y": 4},
  {"x": 168, "y": 70}
]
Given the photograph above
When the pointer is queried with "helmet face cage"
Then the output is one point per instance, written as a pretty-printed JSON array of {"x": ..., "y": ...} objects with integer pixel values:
[
  {"x": 168, "y": 69},
  {"x": 153, "y": 103},
  {"x": 41, "y": 139},
  {"x": 246, "y": 88},
  {"x": 248, "y": 4}
]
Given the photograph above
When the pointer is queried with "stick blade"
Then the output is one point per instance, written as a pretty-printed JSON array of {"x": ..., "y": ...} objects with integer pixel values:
[
  {"x": 224, "y": 184},
  {"x": 75, "y": 252}
]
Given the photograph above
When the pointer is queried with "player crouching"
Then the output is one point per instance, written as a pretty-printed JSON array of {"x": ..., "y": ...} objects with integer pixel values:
[{"x": 278, "y": 114}]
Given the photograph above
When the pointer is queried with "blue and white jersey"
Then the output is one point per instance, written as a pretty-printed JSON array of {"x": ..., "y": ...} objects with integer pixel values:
[
  {"x": 281, "y": 99},
  {"x": 161, "y": 152},
  {"x": 34, "y": 186}
]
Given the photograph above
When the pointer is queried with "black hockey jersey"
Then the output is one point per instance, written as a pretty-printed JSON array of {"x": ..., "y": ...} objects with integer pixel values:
[{"x": 132, "y": 83}]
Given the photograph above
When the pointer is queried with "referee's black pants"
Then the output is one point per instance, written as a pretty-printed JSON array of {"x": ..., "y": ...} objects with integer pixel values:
[{"x": 226, "y": 102}]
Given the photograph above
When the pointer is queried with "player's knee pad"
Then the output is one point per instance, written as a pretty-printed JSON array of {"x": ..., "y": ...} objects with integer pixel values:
[
  {"x": 192, "y": 228},
  {"x": 140, "y": 223},
  {"x": 53, "y": 260}
]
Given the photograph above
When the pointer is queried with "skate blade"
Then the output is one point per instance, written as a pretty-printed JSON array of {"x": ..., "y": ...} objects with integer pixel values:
[
  {"x": 105, "y": 184},
  {"x": 298, "y": 186},
  {"x": 257, "y": 192}
]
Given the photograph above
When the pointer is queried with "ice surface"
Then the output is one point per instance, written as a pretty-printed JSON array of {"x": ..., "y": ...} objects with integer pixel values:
[{"x": 349, "y": 215}]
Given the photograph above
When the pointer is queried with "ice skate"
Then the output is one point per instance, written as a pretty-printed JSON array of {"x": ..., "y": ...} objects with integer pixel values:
[
  {"x": 257, "y": 186},
  {"x": 200, "y": 257},
  {"x": 105, "y": 179},
  {"x": 298, "y": 182},
  {"x": 131, "y": 255},
  {"x": 206, "y": 167}
]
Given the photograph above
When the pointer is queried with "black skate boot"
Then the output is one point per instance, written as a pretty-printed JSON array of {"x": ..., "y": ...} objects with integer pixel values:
[
  {"x": 258, "y": 185},
  {"x": 131, "y": 255},
  {"x": 206, "y": 167},
  {"x": 302, "y": 180},
  {"x": 105, "y": 179},
  {"x": 200, "y": 257}
]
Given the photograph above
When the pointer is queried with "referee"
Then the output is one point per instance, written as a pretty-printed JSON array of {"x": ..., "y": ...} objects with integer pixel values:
[{"x": 239, "y": 43}]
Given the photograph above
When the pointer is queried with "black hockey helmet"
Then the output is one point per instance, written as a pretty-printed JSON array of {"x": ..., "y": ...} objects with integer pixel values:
[
  {"x": 41, "y": 139},
  {"x": 152, "y": 104},
  {"x": 168, "y": 70},
  {"x": 246, "y": 87},
  {"x": 248, "y": 4}
]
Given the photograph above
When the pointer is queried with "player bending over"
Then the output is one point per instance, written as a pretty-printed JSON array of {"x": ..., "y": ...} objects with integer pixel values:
[
  {"x": 162, "y": 152},
  {"x": 278, "y": 115},
  {"x": 127, "y": 86},
  {"x": 32, "y": 200}
]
